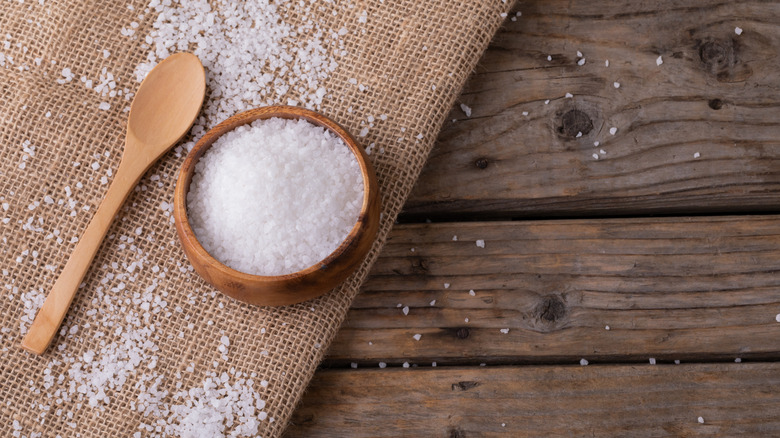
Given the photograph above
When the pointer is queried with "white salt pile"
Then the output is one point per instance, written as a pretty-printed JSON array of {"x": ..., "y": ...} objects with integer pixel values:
[{"x": 276, "y": 197}]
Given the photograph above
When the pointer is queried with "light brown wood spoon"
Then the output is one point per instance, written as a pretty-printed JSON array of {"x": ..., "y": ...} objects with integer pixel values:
[{"x": 162, "y": 112}]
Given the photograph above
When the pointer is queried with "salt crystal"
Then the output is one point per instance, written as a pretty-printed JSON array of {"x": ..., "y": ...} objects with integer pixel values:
[
  {"x": 606, "y": 327},
  {"x": 406, "y": 365},
  {"x": 738, "y": 360},
  {"x": 568, "y": 95},
  {"x": 616, "y": 84},
  {"x": 446, "y": 285},
  {"x": 417, "y": 337},
  {"x": 405, "y": 310},
  {"x": 696, "y": 155},
  {"x": 472, "y": 293},
  {"x": 701, "y": 420},
  {"x": 229, "y": 195},
  {"x": 606, "y": 63},
  {"x": 433, "y": 302},
  {"x": 382, "y": 365},
  {"x": 652, "y": 361},
  {"x": 777, "y": 317},
  {"x": 466, "y": 109},
  {"x": 595, "y": 156},
  {"x": 583, "y": 362},
  {"x": 659, "y": 60},
  {"x": 105, "y": 106},
  {"x": 481, "y": 243},
  {"x": 738, "y": 30},
  {"x": 504, "y": 330},
  {"x": 613, "y": 130}
]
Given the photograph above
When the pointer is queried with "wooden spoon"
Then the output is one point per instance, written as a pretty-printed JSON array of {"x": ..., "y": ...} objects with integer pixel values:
[{"x": 162, "y": 112}]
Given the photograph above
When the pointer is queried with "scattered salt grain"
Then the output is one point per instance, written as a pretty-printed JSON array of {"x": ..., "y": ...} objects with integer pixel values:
[
  {"x": 549, "y": 58},
  {"x": 405, "y": 310},
  {"x": 595, "y": 156},
  {"x": 696, "y": 155},
  {"x": 382, "y": 365},
  {"x": 606, "y": 63},
  {"x": 504, "y": 330},
  {"x": 701, "y": 420},
  {"x": 245, "y": 182},
  {"x": 738, "y": 30},
  {"x": 455, "y": 238},
  {"x": 406, "y": 365},
  {"x": 652, "y": 361},
  {"x": 472, "y": 293},
  {"x": 612, "y": 130},
  {"x": 432, "y": 303},
  {"x": 596, "y": 143},
  {"x": 677, "y": 361},
  {"x": 353, "y": 365},
  {"x": 606, "y": 327},
  {"x": 417, "y": 337},
  {"x": 568, "y": 95},
  {"x": 583, "y": 362},
  {"x": 105, "y": 106},
  {"x": 581, "y": 62},
  {"x": 446, "y": 285},
  {"x": 659, "y": 60},
  {"x": 738, "y": 360},
  {"x": 466, "y": 109},
  {"x": 616, "y": 84},
  {"x": 777, "y": 317},
  {"x": 480, "y": 243}
]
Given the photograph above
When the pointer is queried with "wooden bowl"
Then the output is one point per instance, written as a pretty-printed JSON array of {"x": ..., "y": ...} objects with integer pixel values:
[{"x": 298, "y": 286}]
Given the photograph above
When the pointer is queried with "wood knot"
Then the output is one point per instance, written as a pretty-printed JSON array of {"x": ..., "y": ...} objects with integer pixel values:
[
  {"x": 574, "y": 122},
  {"x": 715, "y": 54},
  {"x": 419, "y": 265},
  {"x": 464, "y": 386},
  {"x": 551, "y": 308},
  {"x": 720, "y": 57},
  {"x": 457, "y": 433},
  {"x": 462, "y": 333},
  {"x": 715, "y": 104},
  {"x": 481, "y": 163}
]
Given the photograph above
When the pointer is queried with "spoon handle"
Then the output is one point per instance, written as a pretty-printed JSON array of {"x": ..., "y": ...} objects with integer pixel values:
[{"x": 53, "y": 311}]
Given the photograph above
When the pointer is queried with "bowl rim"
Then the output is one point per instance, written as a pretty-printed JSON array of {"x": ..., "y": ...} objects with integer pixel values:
[{"x": 181, "y": 215}]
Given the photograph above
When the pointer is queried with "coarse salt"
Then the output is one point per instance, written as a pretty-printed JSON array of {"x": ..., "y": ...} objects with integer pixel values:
[{"x": 252, "y": 208}]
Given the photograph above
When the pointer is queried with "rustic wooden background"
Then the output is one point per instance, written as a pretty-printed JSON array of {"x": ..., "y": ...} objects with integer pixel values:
[{"x": 662, "y": 247}]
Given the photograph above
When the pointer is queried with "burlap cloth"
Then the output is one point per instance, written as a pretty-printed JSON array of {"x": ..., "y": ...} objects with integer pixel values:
[{"x": 416, "y": 56}]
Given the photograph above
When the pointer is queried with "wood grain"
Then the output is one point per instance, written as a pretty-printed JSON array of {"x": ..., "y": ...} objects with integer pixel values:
[
  {"x": 625, "y": 400},
  {"x": 716, "y": 94},
  {"x": 702, "y": 288}
]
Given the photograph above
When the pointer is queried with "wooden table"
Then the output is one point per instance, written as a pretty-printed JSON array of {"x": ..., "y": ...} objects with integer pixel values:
[{"x": 654, "y": 256}]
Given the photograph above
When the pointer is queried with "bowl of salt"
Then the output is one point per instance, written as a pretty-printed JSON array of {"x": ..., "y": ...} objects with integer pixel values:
[{"x": 276, "y": 205}]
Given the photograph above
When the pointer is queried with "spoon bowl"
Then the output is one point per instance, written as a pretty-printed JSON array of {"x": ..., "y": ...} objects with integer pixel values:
[{"x": 297, "y": 286}]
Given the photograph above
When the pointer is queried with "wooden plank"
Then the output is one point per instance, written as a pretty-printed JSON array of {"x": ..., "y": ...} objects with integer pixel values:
[
  {"x": 695, "y": 289},
  {"x": 715, "y": 94},
  {"x": 624, "y": 400}
]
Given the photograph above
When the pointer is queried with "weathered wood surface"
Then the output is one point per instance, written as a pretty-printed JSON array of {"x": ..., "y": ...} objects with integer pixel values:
[
  {"x": 618, "y": 400},
  {"x": 699, "y": 288},
  {"x": 717, "y": 93}
]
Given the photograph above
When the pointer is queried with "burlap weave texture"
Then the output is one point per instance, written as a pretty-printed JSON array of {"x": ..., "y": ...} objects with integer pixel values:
[{"x": 414, "y": 58}]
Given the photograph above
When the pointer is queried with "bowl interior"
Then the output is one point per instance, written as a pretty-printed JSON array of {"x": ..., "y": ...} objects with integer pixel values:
[{"x": 186, "y": 233}]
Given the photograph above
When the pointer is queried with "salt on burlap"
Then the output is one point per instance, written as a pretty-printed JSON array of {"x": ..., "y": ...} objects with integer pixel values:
[{"x": 414, "y": 57}]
